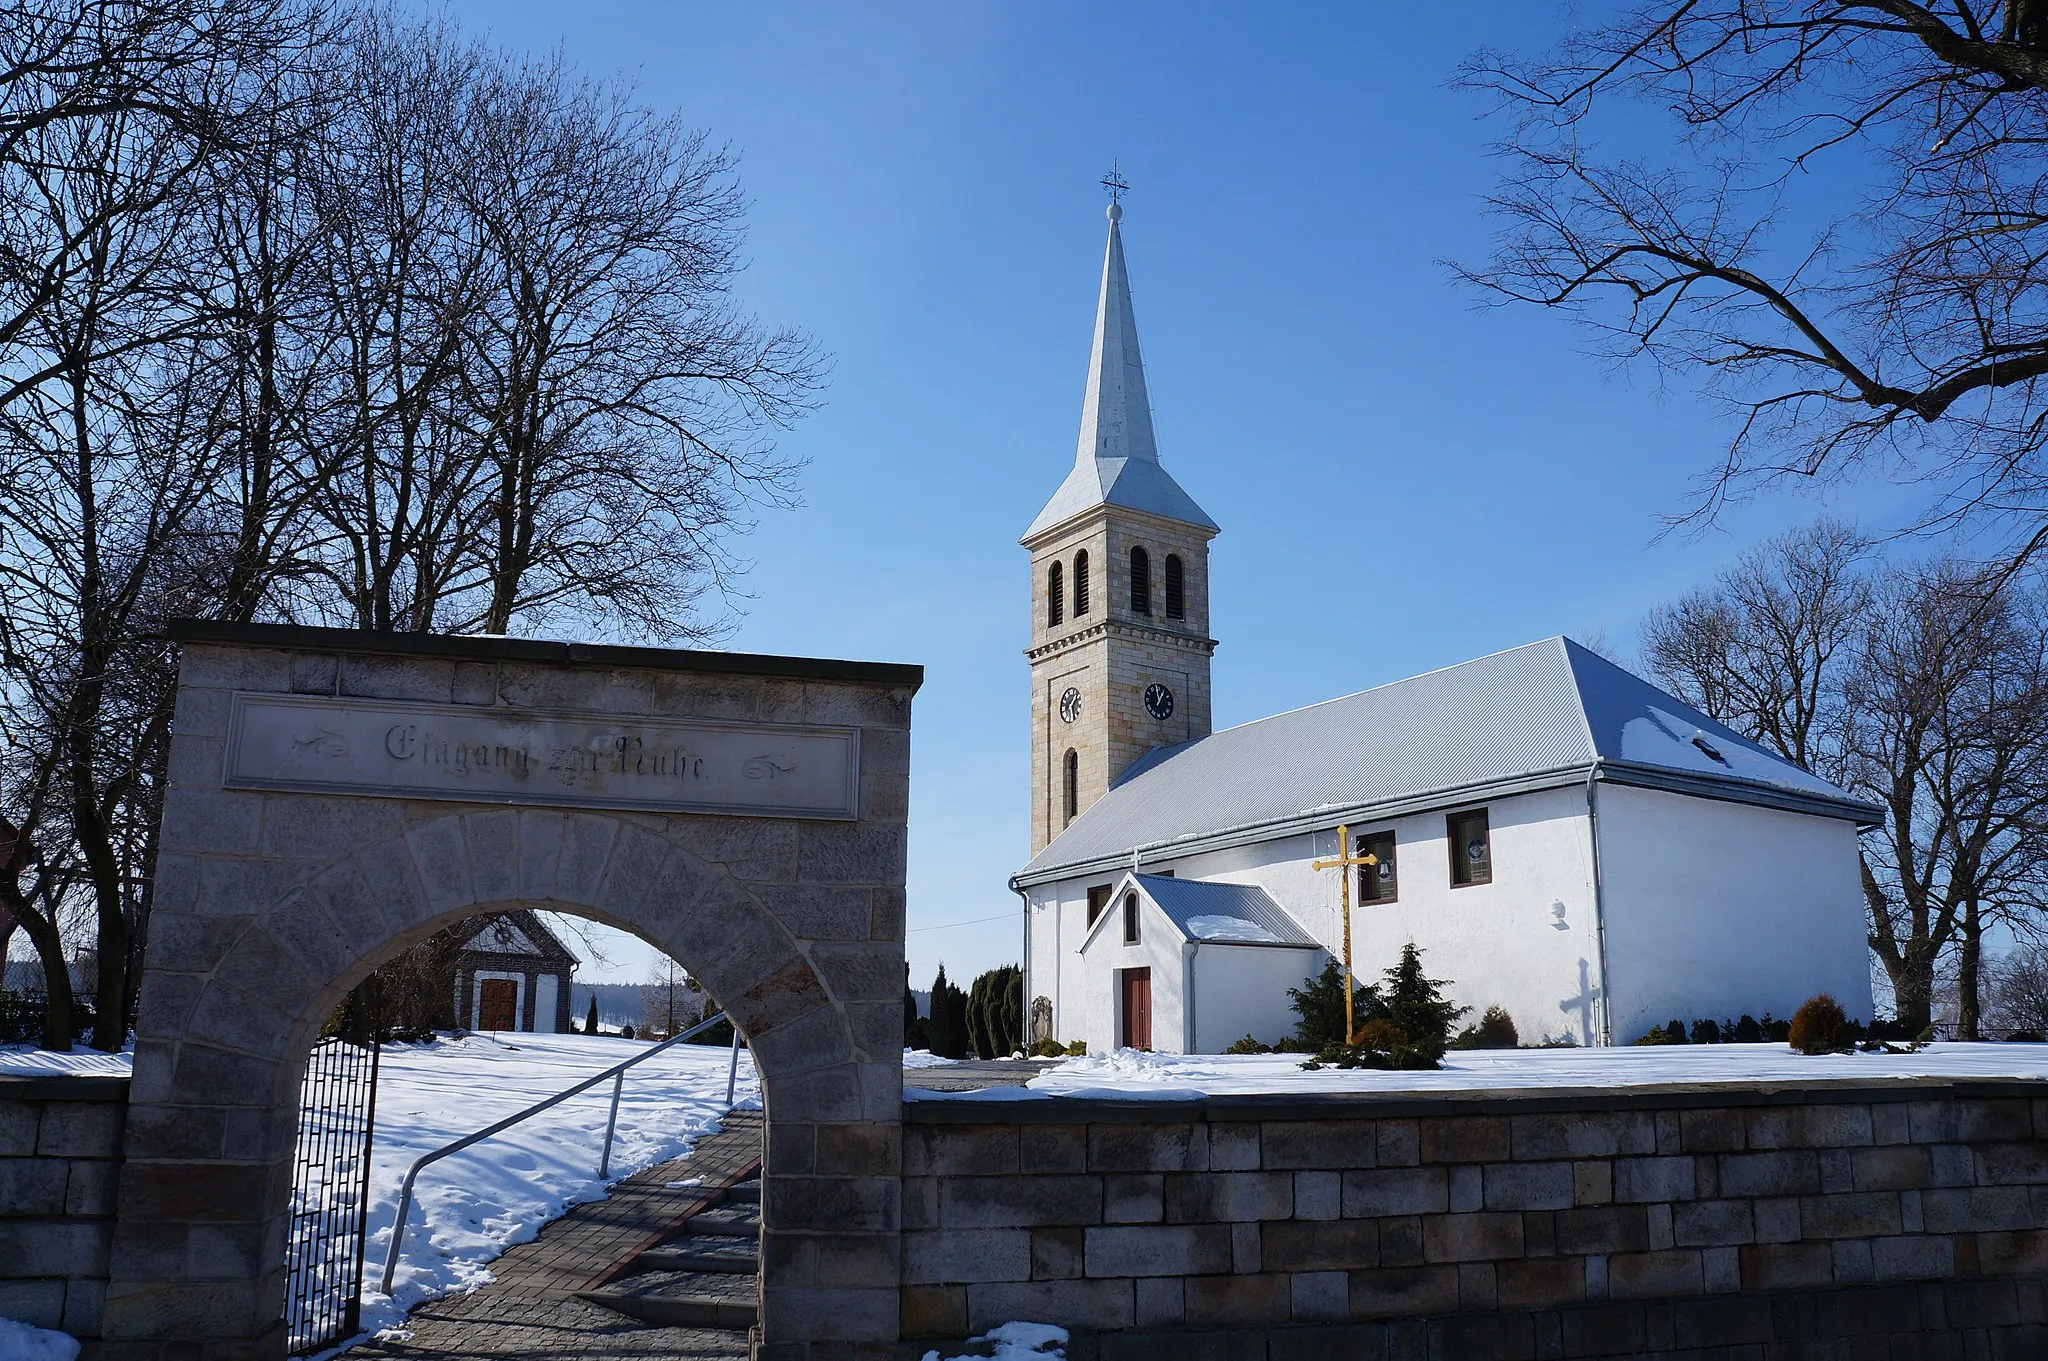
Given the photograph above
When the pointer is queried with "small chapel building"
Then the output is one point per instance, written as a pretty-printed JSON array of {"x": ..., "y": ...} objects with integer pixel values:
[
  {"x": 1559, "y": 836},
  {"x": 513, "y": 974}
]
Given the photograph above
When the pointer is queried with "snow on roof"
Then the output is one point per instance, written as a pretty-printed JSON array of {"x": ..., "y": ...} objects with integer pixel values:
[
  {"x": 1223, "y": 914},
  {"x": 1531, "y": 717}
]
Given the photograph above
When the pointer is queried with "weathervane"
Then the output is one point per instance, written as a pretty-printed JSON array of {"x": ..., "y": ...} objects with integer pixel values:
[{"x": 1117, "y": 185}]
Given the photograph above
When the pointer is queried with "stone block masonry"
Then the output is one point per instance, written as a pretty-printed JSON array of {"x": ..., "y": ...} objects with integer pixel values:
[
  {"x": 335, "y": 797},
  {"x": 60, "y": 1163},
  {"x": 1715, "y": 1223}
]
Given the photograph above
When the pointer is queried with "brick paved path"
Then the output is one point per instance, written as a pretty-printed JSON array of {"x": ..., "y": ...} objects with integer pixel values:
[{"x": 531, "y": 1309}]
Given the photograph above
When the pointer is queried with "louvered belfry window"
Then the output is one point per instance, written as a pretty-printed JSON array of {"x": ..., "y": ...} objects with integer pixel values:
[
  {"x": 1071, "y": 779},
  {"x": 1141, "y": 581},
  {"x": 1176, "y": 589},
  {"x": 1080, "y": 583},
  {"x": 1055, "y": 594}
]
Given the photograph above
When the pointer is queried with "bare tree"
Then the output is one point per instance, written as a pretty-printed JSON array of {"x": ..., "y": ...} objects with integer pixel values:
[
  {"x": 619, "y": 394},
  {"x": 317, "y": 313},
  {"x": 1901, "y": 325},
  {"x": 2019, "y": 990},
  {"x": 1949, "y": 730},
  {"x": 1765, "y": 649}
]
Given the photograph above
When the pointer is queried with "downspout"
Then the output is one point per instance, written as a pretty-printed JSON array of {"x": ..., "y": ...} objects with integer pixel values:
[
  {"x": 1194, "y": 957},
  {"x": 1606, "y": 1031}
]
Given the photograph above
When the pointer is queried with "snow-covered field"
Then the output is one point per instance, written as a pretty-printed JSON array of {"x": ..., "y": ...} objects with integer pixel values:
[
  {"x": 472, "y": 1206},
  {"x": 1129, "y": 1074}
]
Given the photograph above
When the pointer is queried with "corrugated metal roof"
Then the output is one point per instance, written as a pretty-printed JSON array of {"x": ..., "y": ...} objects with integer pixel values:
[
  {"x": 1223, "y": 914},
  {"x": 1546, "y": 707}
]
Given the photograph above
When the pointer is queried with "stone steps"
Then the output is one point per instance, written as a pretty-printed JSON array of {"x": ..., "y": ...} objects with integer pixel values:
[{"x": 704, "y": 1274}]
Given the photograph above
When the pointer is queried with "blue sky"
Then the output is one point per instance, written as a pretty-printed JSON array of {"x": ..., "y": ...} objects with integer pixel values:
[{"x": 1405, "y": 478}]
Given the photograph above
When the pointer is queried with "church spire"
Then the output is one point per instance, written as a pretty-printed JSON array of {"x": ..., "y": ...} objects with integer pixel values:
[
  {"x": 1116, "y": 458},
  {"x": 1116, "y": 415}
]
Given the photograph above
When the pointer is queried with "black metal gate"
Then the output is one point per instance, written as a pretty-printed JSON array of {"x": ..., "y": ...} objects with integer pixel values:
[{"x": 330, "y": 1195}]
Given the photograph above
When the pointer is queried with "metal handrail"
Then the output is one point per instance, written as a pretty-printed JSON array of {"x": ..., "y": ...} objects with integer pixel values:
[{"x": 616, "y": 1074}]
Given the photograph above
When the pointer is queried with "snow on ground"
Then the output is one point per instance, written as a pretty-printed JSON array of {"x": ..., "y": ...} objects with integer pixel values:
[
  {"x": 19, "y": 1342},
  {"x": 475, "y": 1204},
  {"x": 925, "y": 1058},
  {"x": 471, "y": 1206},
  {"x": 1017, "y": 1342},
  {"x": 23, "y": 1061},
  {"x": 1130, "y": 1074}
]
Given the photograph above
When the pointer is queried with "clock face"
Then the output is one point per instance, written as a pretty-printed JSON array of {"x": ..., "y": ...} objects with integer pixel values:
[
  {"x": 1070, "y": 705},
  {"x": 1159, "y": 701}
]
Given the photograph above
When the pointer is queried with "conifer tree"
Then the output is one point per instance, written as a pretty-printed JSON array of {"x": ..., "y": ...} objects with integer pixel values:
[
  {"x": 1414, "y": 1004},
  {"x": 949, "y": 1018},
  {"x": 590, "y": 1017}
]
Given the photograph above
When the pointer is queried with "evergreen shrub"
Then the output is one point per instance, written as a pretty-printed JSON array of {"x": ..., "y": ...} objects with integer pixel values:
[
  {"x": 1250, "y": 1044},
  {"x": 1820, "y": 1026},
  {"x": 1408, "y": 1025},
  {"x": 1496, "y": 1030}
]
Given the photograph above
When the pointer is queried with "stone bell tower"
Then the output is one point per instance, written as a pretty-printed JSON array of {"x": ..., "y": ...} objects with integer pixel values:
[{"x": 1120, "y": 641}]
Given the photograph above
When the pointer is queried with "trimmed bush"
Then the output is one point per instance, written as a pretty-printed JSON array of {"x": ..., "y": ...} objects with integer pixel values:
[
  {"x": 1250, "y": 1044},
  {"x": 1820, "y": 1026}
]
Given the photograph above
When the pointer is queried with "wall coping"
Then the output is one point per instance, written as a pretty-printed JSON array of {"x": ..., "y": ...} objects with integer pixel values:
[
  {"x": 306, "y": 638},
  {"x": 63, "y": 1087},
  {"x": 1063, "y": 1110}
]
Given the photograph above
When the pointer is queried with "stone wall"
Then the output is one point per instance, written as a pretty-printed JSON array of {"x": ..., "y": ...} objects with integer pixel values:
[
  {"x": 1582, "y": 1224},
  {"x": 60, "y": 1162},
  {"x": 274, "y": 897}
]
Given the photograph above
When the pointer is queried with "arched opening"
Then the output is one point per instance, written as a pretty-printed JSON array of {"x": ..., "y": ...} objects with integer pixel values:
[
  {"x": 1080, "y": 583},
  {"x": 225, "y": 1038},
  {"x": 1055, "y": 594},
  {"x": 1176, "y": 589},
  {"x": 621, "y": 1096},
  {"x": 336, "y": 797},
  {"x": 1141, "y": 581},
  {"x": 1070, "y": 783}
]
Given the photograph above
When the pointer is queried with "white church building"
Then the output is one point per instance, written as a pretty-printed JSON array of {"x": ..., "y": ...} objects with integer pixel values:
[{"x": 1560, "y": 837}]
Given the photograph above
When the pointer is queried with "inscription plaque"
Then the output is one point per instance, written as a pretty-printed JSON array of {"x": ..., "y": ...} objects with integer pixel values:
[{"x": 395, "y": 750}]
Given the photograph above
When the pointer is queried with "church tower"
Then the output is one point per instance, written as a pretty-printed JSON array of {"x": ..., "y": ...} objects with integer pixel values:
[{"x": 1120, "y": 639}]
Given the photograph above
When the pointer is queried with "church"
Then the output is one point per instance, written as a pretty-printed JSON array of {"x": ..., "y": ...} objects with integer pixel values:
[{"x": 1560, "y": 837}]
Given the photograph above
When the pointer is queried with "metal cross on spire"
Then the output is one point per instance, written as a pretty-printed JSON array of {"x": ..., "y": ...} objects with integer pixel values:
[{"x": 1115, "y": 183}]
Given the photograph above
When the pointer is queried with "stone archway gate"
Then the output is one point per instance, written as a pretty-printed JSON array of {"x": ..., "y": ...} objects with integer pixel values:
[{"x": 335, "y": 796}]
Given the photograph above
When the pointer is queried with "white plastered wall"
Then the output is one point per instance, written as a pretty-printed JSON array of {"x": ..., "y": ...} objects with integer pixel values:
[
  {"x": 546, "y": 993},
  {"x": 1715, "y": 909},
  {"x": 1241, "y": 990},
  {"x": 1159, "y": 948},
  {"x": 1504, "y": 943}
]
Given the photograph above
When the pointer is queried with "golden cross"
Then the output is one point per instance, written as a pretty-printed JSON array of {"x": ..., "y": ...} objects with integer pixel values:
[{"x": 1343, "y": 864}]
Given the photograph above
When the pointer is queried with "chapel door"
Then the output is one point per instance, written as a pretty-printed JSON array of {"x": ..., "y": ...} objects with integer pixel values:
[
  {"x": 497, "y": 1005},
  {"x": 1137, "y": 1007}
]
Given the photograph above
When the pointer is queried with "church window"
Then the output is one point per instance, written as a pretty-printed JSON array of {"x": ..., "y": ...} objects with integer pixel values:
[
  {"x": 1176, "y": 589},
  {"x": 1130, "y": 919},
  {"x": 1471, "y": 849},
  {"x": 1141, "y": 581},
  {"x": 1377, "y": 882},
  {"x": 1098, "y": 899},
  {"x": 1080, "y": 583},
  {"x": 1055, "y": 594},
  {"x": 1071, "y": 778}
]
